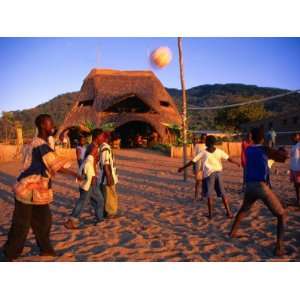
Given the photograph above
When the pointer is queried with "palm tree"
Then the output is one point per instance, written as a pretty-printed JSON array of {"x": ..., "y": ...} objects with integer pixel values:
[{"x": 184, "y": 114}]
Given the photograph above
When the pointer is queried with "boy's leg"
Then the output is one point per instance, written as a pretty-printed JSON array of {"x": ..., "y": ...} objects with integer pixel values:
[
  {"x": 41, "y": 222},
  {"x": 297, "y": 190},
  {"x": 277, "y": 209},
  {"x": 197, "y": 186},
  {"x": 209, "y": 187},
  {"x": 83, "y": 196},
  {"x": 111, "y": 200},
  {"x": 249, "y": 198},
  {"x": 18, "y": 230},
  {"x": 97, "y": 202},
  {"x": 220, "y": 191},
  {"x": 73, "y": 221}
]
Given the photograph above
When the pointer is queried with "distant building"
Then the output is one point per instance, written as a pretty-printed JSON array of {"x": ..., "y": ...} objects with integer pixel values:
[
  {"x": 135, "y": 101},
  {"x": 284, "y": 125}
]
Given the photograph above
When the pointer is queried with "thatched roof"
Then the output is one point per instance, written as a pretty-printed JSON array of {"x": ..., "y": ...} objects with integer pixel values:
[{"x": 103, "y": 88}]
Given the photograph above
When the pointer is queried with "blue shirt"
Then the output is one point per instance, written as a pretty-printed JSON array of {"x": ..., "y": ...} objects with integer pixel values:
[{"x": 256, "y": 163}]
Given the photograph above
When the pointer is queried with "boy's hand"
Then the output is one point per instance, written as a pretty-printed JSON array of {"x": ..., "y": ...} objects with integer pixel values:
[
  {"x": 80, "y": 178},
  {"x": 94, "y": 181}
]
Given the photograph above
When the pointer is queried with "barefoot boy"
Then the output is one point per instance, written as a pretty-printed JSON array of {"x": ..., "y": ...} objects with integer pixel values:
[
  {"x": 88, "y": 190},
  {"x": 108, "y": 178},
  {"x": 257, "y": 172},
  {"x": 212, "y": 173},
  {"x": 295, "y": 165},
  {"x": 199, "y": 146},
  {"x": 33, "y": 194}
]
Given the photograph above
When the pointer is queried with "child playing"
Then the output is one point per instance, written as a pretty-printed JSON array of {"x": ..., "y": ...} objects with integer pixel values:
[
  {"x": 257, "y": 173},
  {"x": 108, "y": 178},
  {"x": 212, "y": 173},
  {"x": 89, "y": 189},
  {"x": 245, "y": 144},
  {"x": 199, "y": 145},
  {"x": 80, "y": 151},
  {"x": 33, "y": 193},
  {"x": 295, "y": 165}
]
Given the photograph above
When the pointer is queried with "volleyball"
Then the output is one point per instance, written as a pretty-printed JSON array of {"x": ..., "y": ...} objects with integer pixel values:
[{"x": 161, "y": 57}]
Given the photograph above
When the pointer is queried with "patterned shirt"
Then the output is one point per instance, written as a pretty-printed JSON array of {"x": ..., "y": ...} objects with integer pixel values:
[{"x": 40, "y": 164}]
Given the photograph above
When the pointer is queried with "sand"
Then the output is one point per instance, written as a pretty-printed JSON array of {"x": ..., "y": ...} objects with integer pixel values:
[{"x": 158, "y": 220}]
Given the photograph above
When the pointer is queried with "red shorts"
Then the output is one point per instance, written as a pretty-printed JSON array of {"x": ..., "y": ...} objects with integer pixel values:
[{"x": 295, "y": 176}]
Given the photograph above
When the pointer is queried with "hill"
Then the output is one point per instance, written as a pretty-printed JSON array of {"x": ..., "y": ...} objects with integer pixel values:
[
  {"x": 203, "y": 95},
  {"x": 222, "y": 94}
]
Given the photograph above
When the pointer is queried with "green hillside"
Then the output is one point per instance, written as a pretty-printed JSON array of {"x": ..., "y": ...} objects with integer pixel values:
[{"x": 203, "y": 95}]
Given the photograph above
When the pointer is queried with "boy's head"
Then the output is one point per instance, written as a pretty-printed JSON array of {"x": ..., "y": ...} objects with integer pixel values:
[
  {"x": 210, "y": 141},
  {"x": 257, "y": 135},
  {"x": 97, "y": 136},
  {"x": 81, "y": 140},
  {"x": 248, "y": 136},
  {"x": 203, "y": 138},
  {"x": 296, "y": 137},
  {"x": 44, "y": 124}
]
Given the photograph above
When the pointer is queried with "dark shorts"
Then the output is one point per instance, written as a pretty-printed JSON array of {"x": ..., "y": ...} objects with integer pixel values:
[
  {"x": 260, "y": 190},
  {"x": 213, "y": 182}
]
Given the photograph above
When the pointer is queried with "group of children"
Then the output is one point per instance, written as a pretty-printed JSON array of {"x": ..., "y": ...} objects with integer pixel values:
[
  {"x": 96, "y": 177},
  {"x": 255, "y": 160}
]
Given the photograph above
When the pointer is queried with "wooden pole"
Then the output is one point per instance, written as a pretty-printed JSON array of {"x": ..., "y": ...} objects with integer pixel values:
[{"x": 184, "y": 108}]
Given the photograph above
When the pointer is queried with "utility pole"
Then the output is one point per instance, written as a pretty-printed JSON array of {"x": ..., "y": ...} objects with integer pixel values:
[{"x": 184, "y": 108}]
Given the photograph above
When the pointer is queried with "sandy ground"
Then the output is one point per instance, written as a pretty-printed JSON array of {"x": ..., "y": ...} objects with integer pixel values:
[{"x": 158, "y": 220}]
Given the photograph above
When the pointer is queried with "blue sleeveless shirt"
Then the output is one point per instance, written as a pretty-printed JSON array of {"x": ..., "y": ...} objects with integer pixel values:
[{"x": 256, "y": 163}]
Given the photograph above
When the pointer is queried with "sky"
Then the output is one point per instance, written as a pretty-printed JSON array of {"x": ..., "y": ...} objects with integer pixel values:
[{"x": 35, "y": 70}]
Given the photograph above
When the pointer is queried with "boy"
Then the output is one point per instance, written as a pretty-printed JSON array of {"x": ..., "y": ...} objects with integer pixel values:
[
  {"x": 80, "y": 150},
  {"x": 257, "y": 172},
  {"x": 88, "y": 191},
  {"x": 108, "y": 178},
  {"x": 245, "y": 144},
  {"x": 199, "y": 145},
  {"x": 33, "y": 194},
  {"x": 212, "y": 169},
  {"x": 295, "y": 164}
]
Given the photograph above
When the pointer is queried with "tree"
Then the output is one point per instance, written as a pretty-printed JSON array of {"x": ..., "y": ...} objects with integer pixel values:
[
  {"x": 7, "y": 121},
  {"x": 233, "y": 118}
]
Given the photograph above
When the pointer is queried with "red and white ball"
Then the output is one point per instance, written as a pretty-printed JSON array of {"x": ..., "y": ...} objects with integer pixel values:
[{"x": 161, "y": 57}]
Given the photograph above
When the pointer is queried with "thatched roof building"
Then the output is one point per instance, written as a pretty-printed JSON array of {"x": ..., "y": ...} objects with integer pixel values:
[{"x": 135, "y": 101}]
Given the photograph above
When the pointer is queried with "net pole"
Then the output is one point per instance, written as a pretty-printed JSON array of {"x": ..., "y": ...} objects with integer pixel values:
[{"x": 184, "y": 107}]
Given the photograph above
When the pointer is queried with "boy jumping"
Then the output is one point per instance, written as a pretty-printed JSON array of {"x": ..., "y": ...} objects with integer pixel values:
[{"x": 257, "y": 172}]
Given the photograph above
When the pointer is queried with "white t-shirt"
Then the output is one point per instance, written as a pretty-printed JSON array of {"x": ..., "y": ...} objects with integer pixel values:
[
  {"x": 87, "y": 169},
  {"x": 106, "y": 158},
  {"x": 295, "y": 157},
  {"x": 211, "y": 162}
]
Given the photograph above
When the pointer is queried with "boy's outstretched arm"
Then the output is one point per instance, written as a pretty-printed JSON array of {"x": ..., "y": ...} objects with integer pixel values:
[
  {"x": 234, "y": 162},
  {"x": 185, "y": 166}
]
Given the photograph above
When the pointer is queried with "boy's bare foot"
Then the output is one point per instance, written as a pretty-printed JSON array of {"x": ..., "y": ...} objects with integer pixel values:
[
  {"x": 279, "y": 251},
  {"x": 51, "y": 253},
  {"x": 70, "y": 224}
]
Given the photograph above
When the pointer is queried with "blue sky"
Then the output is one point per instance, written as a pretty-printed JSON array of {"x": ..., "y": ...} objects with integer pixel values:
[{"x": 34, "y": 70}]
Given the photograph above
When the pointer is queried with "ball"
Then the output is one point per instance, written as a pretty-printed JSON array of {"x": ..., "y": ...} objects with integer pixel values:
[{"x": 161, "y": 57}]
